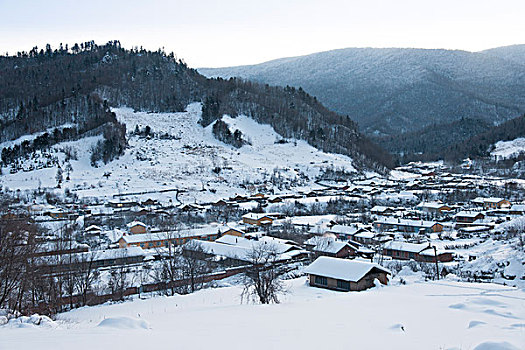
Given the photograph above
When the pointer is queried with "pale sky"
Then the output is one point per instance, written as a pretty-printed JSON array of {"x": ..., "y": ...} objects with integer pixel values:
[{"x": 215, "y": 33}]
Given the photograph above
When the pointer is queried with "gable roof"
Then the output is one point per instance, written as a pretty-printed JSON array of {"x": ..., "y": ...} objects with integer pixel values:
[
  {"x": 136, "y": 223},
  {"x": 407, "y": 247},
  {"x": 406, "y": 222},
  {"x": 468, "y": 214},
  {"x": 344, "y": 229},
  {"x": 256, "y": 216},
  {"x": 331, "y": 246},
  {"x": 380, "y": 209},
  {"x": 280, "y": 245},
  {"x": 482, "y": 200},
  {"x": 432, "y": 205},
  {"x": 342, "y": 269}
]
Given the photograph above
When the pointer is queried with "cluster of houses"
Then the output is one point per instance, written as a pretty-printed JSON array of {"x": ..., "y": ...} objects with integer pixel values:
[{"x": 343, "y": 253}]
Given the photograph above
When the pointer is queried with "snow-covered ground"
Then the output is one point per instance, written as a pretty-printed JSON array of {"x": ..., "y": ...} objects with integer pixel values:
[
  {"x": 419, "y": 315},
  {"x": 185, "y": 160},
  {"x": 507, "y": 149}
]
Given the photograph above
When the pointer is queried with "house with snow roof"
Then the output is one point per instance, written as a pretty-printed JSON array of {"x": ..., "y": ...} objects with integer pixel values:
[
  {"x": 517, "y": 209},
  {"x": 423, "y": 252},
  {"x": 345, "y": 275},
  {"x": 230, "y": 250},
  {"x": 93, "y": 230},
  {"x": 491, "y": 202},
  {"x": 434, "y": 208},
  {"x": 163, "y": 239},
  {"x": 464, "y": 218},
  {"x": 381, "y": 210},
  {"x": 257, "y": 219},
  {"x": 365, "y": 237},
  {"x": 405, "y": 225},
  {"x": 137, "y": 227},
  {"x": 345, "y": 231},
  {"x": 327, "y": 246}
]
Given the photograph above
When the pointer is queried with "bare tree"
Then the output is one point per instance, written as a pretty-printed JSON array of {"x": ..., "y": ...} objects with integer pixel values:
[
  {"x": 193, "y": 264},
  {"x": 170, "y": 255},
  {"x": 119, "y": 280},
  {"x": 17, "y": 248},
  {"x": 263, "y": 278},
  {"x": 85, "y": 274}
]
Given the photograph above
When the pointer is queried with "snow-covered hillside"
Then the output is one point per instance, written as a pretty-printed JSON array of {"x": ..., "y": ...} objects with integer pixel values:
[
  {"x": 419, "y": 315},
  {"x": 507, "y": 149},
  {"x": 182, "y": 155}
]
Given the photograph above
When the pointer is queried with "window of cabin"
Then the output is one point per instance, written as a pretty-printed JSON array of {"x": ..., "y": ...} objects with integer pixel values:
[
  {"x": 321, "y": 280},
  {"x": 344, "y": 285}
]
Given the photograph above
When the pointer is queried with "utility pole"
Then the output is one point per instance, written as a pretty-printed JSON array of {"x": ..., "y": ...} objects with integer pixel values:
[{"x": 436, "y": 258}]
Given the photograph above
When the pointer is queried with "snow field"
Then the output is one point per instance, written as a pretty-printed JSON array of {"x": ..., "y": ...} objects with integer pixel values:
[{"x": 420, "y": 315}]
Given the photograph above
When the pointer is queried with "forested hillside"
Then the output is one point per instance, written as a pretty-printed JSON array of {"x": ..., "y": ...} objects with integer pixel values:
[
  {"x": 393, "y": 90},
  {"x": 45, "y": 90},
  {"x": 432, "y": 142},
  {"x": 480, "y": 145}
]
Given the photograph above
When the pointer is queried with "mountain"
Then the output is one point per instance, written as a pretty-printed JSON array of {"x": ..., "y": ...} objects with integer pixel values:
[
  {"x": 67, "y": 93},
  {"x": 512, "y": 53},
  {"x": 390, "y": 91}
]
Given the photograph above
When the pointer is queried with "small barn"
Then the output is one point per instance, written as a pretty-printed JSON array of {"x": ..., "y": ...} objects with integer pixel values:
[{"x": 345, "y": 275}]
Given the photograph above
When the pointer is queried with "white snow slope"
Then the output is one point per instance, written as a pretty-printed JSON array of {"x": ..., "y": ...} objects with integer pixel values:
[
  {"x": 421, "y": 315},
  {"x": 507, "y": 149},
  {"x": 185, "y": 161}
]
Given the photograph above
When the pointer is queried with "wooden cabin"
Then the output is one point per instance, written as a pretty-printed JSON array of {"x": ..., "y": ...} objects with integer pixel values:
[
  {"x": 491, "y": 203},
  {"x": 468, "y": 217},
  {"x": 422, "y": 252},
  {"x": 327, "y": 246},
  {"x": 345, "y": 275},
  {"x": 404, "y": 225},
  {"x": 257, "y": 219}
]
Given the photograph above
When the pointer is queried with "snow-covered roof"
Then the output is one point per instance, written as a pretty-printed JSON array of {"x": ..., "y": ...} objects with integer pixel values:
[
  {"x": 160, "y": 236},
  {"x": 238, "y": 252},
  {"x": 342, "y": 269},
  {"x": 255, "y": 216},
  {"x": 136, "y": 223},
  {"x": 380, "y": 209},
  {"x": 468, "y": 214},
  {"x": 97, "y": 255},
  {"x": 430, "y": 252},
  {"x": 365, "y": 234},
  {"x": 344, "y": 229},
  {"x": 482, "y": 200},
  {"x": 474, "y": 229},
  {"x": 93, "y": 228},
  {"x": 518, "y": 207},
  {"x": 329, "y": 245},
  {"x": 431, "y": 205},
  {"x": 406, "y": 222},
  {"x": 406, "y": 247},
  {"x": 146, "y": 237},
  {"x": 280, "y": 245}
]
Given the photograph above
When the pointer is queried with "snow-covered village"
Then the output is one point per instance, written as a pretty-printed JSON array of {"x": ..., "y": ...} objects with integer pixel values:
[{"x": 368, "y": 198}]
